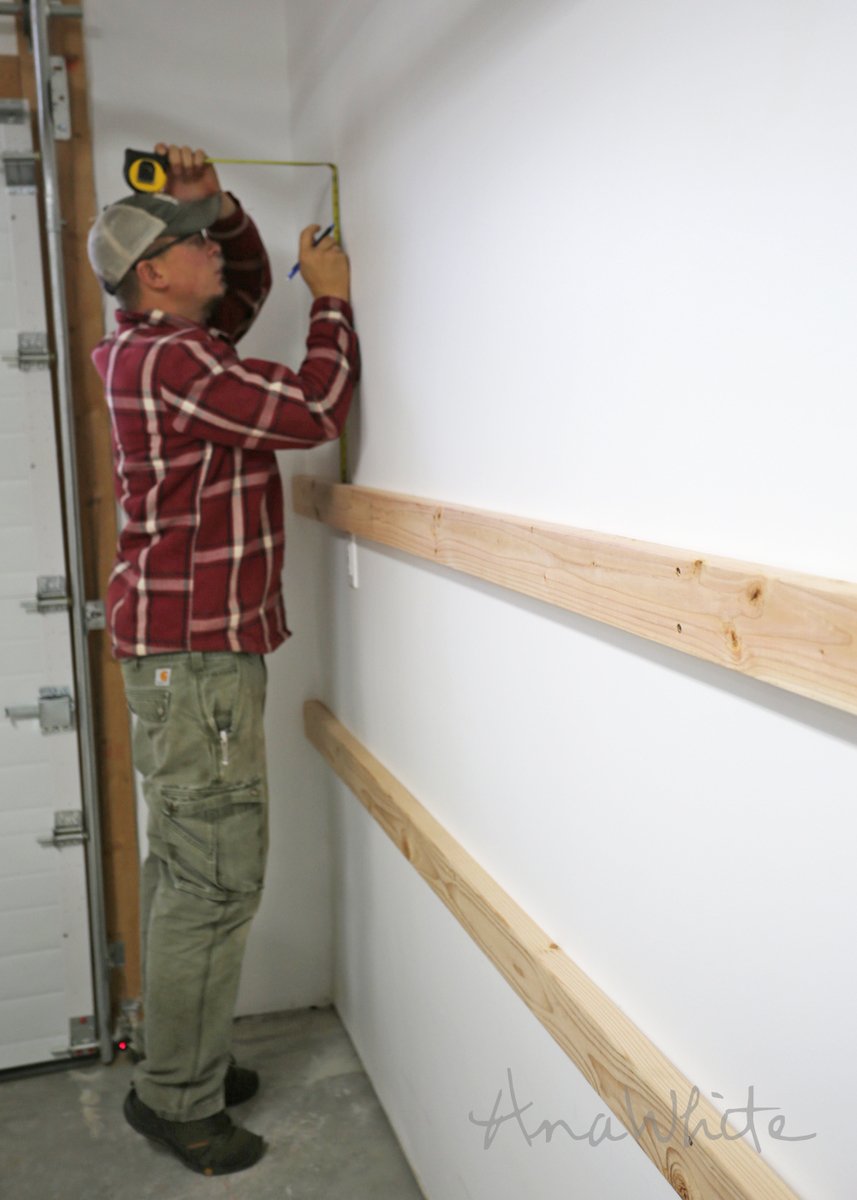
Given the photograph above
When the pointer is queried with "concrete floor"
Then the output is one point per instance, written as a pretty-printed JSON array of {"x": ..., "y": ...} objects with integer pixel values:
[{"x": 63, "y": 1134}]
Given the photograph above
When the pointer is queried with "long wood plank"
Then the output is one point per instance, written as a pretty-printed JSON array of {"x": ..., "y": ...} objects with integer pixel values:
[
  {"x": 796, "y": 631},
  {"x": 655, "y": 1102}
]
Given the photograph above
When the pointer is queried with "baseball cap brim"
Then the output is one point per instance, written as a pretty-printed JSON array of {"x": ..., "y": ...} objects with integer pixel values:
[{"x": 179, "y": 216}]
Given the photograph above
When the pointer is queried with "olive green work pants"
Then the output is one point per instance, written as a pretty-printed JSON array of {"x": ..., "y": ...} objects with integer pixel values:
[{"x": 199, "y": 745}]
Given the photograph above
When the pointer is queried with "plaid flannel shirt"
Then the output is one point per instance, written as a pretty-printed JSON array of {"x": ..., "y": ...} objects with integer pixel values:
[{"x": 195, "y": 428}]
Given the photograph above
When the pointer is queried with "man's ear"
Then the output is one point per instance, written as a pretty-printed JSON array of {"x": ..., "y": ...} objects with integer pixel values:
[{"x": 151, "y": 275}]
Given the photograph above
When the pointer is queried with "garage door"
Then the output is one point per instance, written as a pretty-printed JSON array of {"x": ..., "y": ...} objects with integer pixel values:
[{"x": 46, "y": 992}]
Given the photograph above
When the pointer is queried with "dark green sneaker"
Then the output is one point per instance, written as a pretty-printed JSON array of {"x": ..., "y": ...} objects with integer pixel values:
[
  {"x": 212, "y": 1146},
  {"x": 239, "y": 1084}
]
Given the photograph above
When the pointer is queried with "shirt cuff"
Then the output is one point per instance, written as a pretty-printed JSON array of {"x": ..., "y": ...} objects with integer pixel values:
[
  {"x": 323, "y": 305},
  {"x": 229, "y": 224}
]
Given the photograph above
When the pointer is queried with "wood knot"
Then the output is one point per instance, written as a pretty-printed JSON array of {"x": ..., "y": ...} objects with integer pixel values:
[
  {"x": 678, "y": 1182},
  {"x": 755, "y": 593}
]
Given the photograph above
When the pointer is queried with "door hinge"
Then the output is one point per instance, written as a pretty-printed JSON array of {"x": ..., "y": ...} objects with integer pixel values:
[
  {"x": 68, "y": 829},
  {"x": 54, "y": 712},
  {"x": 14, "y": 112},
  {"x": 51, "y": 595},
  {"x": 19, "y": 167},
  {"x": 33, "y": 353}
]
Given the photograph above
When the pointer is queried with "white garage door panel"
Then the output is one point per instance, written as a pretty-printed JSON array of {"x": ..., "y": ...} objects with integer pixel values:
[
  {"x": 32, "y": 1030},
  {"x": 29, "y": 890},
  {"x": 45, "y": 970},
  {"x": 28, "y": 932},
  {"x": 31, "y": 975},
  {"x": 33, "y": 780}
]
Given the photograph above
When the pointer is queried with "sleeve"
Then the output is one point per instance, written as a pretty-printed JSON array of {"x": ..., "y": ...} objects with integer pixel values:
[
  {"x": 259, "y": 405},
  {"x": 247, "y": 273}
]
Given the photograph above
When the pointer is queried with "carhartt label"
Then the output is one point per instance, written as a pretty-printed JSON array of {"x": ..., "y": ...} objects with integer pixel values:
[{"x": 162, "y": 677}]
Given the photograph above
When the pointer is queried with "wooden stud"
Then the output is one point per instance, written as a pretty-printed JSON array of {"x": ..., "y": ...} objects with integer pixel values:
[
  {"x": 638, "y": 1083},
  {"x": 798, "y": 632}
]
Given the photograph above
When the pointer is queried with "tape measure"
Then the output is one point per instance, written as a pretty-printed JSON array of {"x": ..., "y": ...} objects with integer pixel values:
[{"x": 146, "y": 171}]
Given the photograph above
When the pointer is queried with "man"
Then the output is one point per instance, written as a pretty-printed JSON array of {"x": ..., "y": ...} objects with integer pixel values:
[{"x": 194, "y": 603}]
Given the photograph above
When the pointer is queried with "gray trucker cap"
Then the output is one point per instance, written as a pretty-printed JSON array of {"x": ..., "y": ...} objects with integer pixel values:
[{"x": 127, "y": 229}]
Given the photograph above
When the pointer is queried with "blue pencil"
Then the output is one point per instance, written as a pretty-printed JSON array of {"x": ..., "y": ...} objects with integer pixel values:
[{"x": 320, "y": 238}]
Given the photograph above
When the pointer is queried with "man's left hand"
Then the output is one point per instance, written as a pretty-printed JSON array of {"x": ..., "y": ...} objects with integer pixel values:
[{"x": 190, "y": 177}]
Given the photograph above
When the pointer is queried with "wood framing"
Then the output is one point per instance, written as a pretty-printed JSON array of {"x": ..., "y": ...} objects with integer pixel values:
[
  {"x": 637, "y": 1082},
  {"x": 798, "y": 632},
  {"x": 97, "y": 500}
]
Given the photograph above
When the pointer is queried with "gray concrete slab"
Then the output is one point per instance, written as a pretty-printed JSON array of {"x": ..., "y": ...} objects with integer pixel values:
[{"x": 63, "y": 1135}]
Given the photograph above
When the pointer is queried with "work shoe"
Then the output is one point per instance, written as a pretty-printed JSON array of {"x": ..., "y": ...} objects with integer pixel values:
[
  {"x": 239, "y": 1084},
  {"x": 212, "y": 1146}
]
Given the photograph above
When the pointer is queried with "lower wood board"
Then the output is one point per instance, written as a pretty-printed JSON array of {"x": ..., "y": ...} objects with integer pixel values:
[
  {"x": 798, "y": 632},
  {"x": 637, "y": 1082}
]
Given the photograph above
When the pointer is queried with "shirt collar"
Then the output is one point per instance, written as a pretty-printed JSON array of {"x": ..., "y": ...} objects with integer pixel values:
[{"x": 156, "y": 317}]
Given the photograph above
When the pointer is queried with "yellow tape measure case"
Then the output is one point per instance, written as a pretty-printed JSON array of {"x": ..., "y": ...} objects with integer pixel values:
[{"x": 146, "y": 171}]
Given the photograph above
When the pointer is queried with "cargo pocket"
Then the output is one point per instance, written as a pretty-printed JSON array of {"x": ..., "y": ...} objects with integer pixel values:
[
  {"x": 151, "y": 705},
  {"x": 151, "y": 729},
  {"x": 216, "y": 838}
]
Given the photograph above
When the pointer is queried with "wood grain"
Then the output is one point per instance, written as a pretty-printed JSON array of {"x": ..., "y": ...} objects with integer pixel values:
[
  {"x": 798, "y": 632},
  {"x": 635, "y": 1080}
]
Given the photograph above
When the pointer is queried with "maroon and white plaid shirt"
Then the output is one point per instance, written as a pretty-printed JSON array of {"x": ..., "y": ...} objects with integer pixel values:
[{"x": 195, "y": 428}]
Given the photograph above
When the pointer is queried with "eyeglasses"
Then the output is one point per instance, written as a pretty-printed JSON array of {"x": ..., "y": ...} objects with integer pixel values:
[{"x": 198, "y": 238}]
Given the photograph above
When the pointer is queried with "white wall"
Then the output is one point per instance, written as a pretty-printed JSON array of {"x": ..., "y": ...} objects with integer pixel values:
[
  {"x": 168, "y": 71},
  {"x": 605, "y": 274}
]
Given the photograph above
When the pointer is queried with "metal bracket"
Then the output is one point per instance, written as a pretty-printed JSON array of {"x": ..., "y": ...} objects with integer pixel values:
[
  {"x": 22, "y": 8},
  {"x": 81, "y": 1032},
  {"x": 82, "y": 1039},
  {"x": 116, "y": 954},
  {"x": 14, "y": 112},
  {"x": 94, "y": 615},
  {"x": 54, "y": 712},
  {"x": 33, "y": 353},
  {"x": 19, "y": 167},
  {"x": 60, "y": 106},
  {"x": 68, "y": 829},
  {"x": 51, "y": 595}
]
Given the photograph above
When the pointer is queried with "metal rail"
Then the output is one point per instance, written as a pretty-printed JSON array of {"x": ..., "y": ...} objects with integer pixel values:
[
  {"x": 54, "y": 10},
  {"x": 40, "y": 10}
]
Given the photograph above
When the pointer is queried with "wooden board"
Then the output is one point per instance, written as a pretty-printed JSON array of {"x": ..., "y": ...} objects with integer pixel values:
[
  {"x": 630, "y": 1074},
  {"x": 798, "y": 632}
]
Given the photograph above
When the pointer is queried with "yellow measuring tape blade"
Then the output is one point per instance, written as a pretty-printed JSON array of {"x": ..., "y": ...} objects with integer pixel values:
[{"x": 283, "y": 162}]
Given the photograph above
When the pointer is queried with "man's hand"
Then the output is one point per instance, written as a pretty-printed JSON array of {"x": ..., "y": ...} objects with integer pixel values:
[
  {"x": 325, "y": 267},
  {"x": 190, "y": 177}
]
